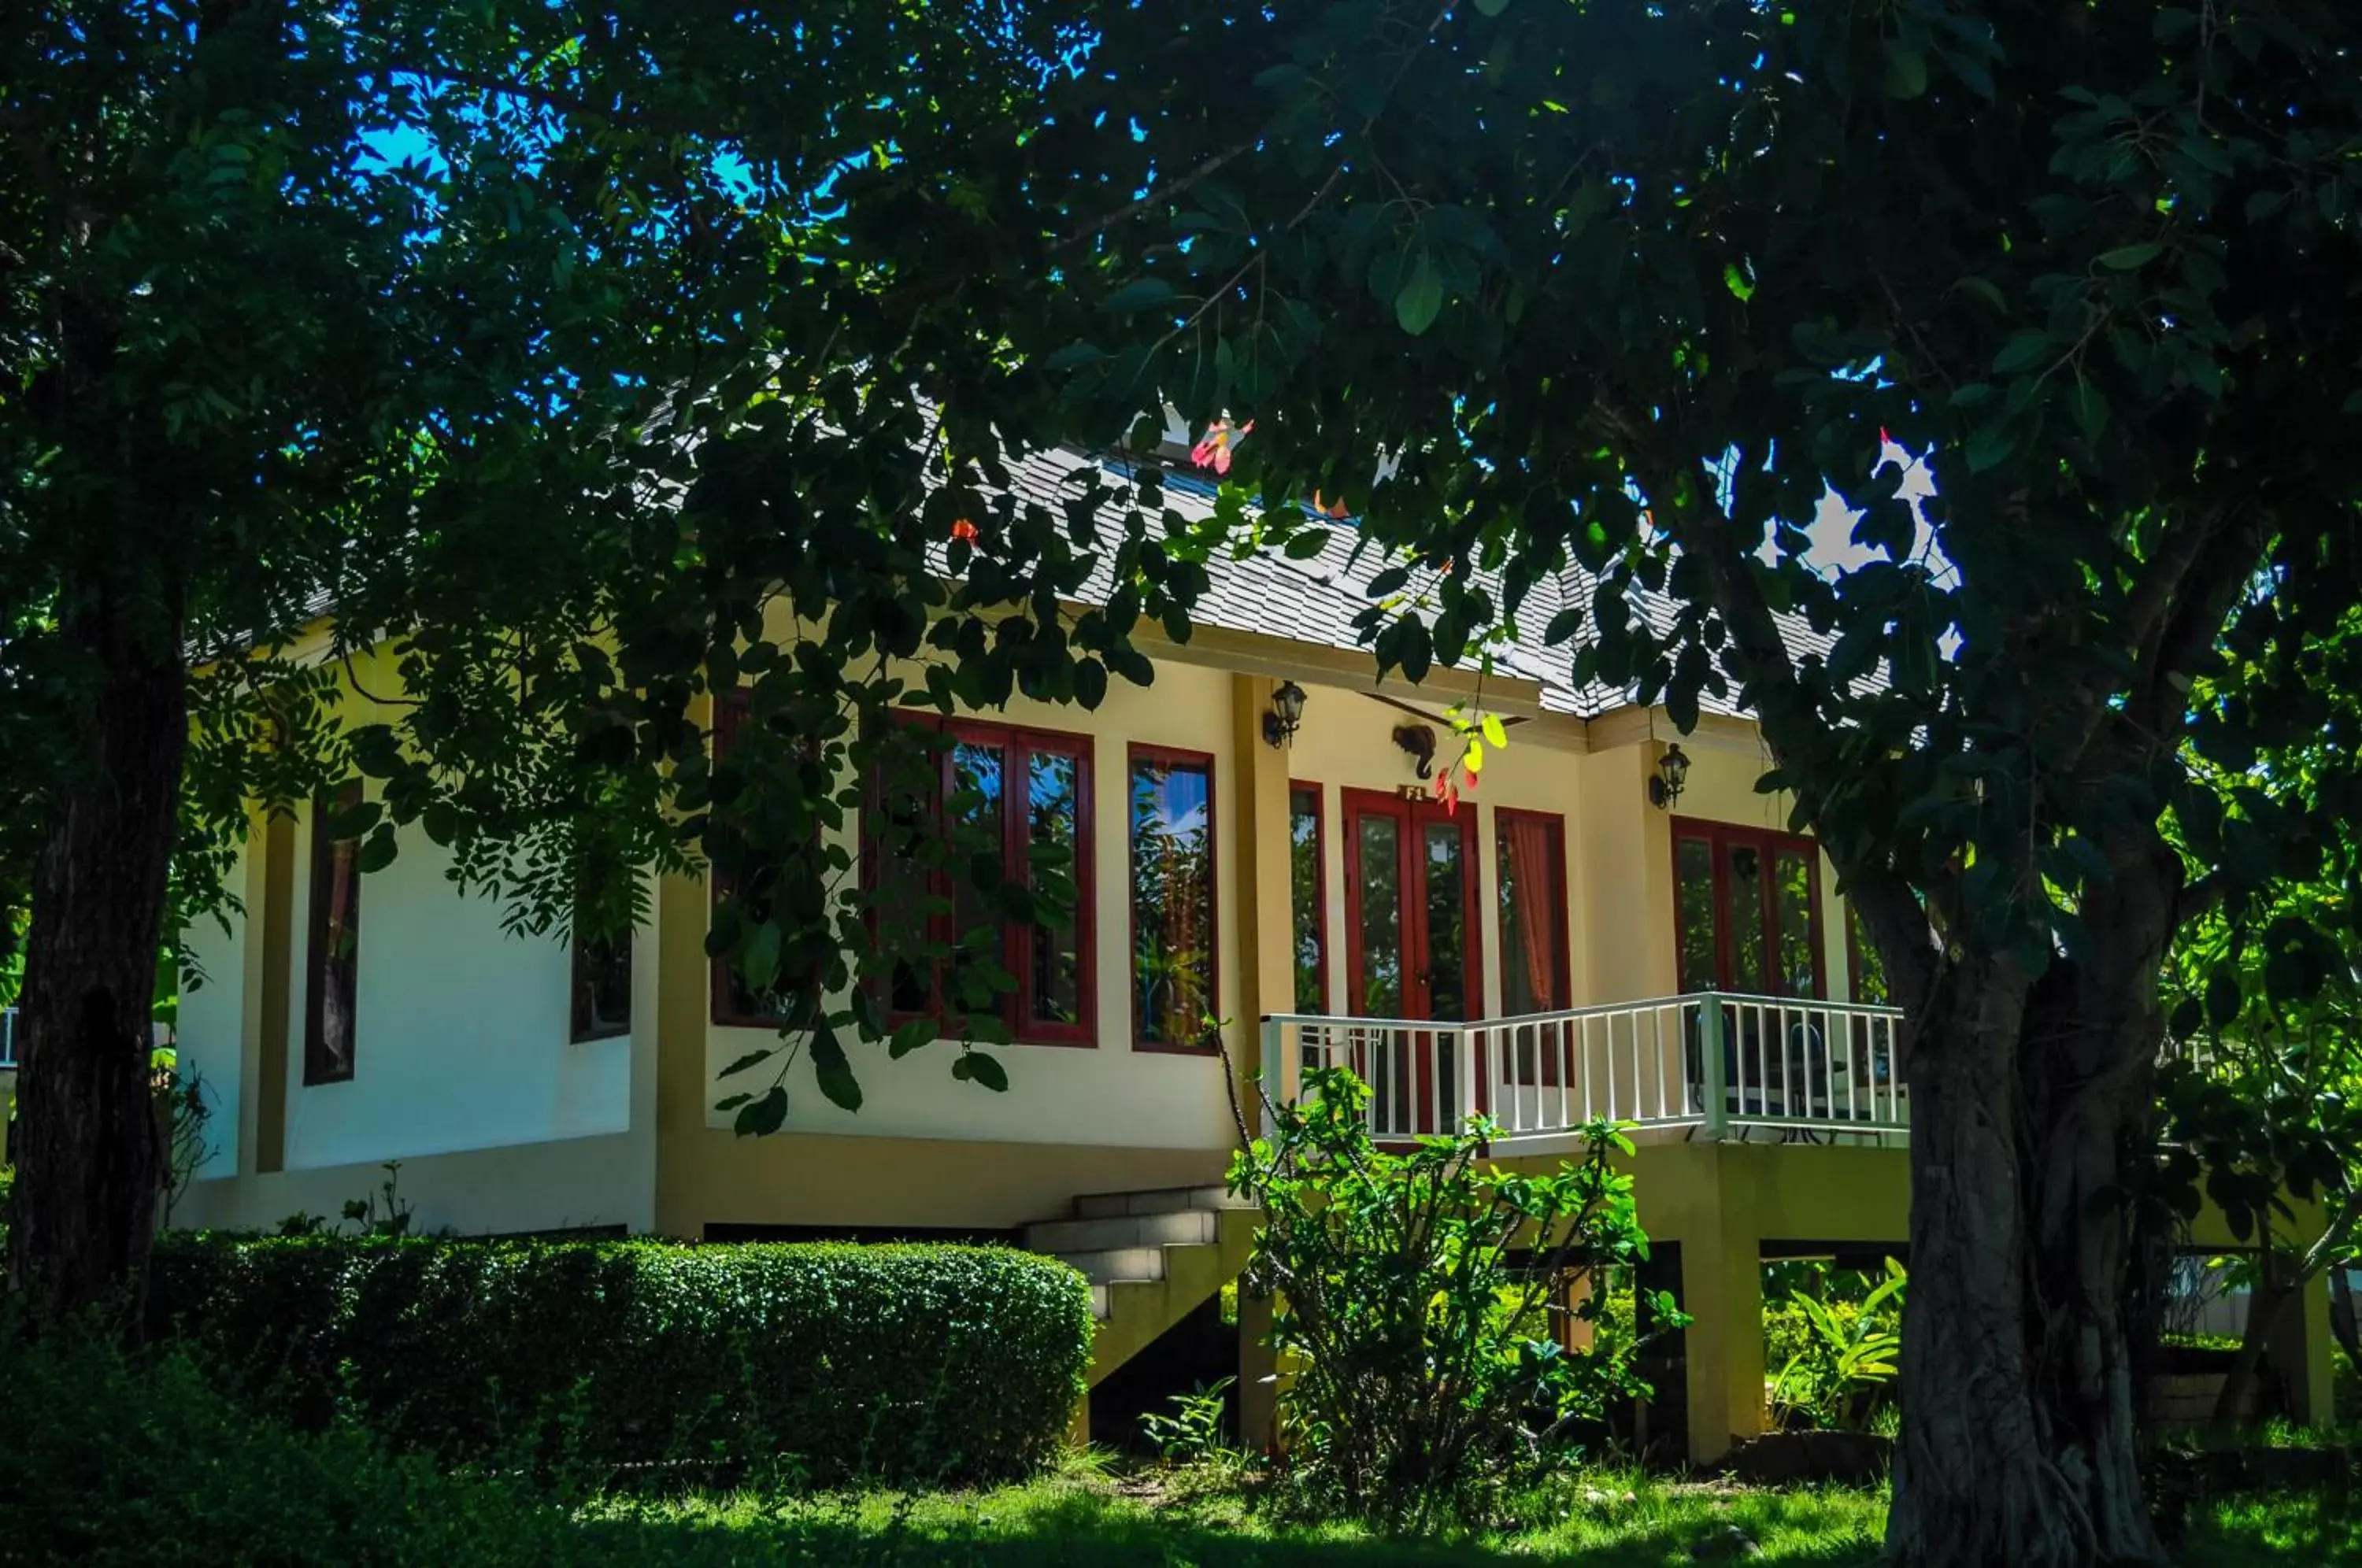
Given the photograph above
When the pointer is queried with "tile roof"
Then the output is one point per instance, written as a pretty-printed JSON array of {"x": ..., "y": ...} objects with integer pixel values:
[{"x": 1314, "y": 601}]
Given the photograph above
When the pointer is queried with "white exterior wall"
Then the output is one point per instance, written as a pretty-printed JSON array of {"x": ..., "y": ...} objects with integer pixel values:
[
  {"x": 210, "y": 1034},
  {"x": 460, "y": 1038},
  {"x": 1107, "y": 1094}
]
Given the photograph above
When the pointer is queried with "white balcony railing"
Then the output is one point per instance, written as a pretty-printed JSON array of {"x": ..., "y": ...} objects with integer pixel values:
[{"x": 1727, "y": 1065}]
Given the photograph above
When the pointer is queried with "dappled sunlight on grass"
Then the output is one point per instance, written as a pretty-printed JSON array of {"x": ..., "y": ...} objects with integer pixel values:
[{"x": 1589, "y": 1520}]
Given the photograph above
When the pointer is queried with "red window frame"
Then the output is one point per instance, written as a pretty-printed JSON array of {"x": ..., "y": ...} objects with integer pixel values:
[
  {"x": 1533, "y": 1060},
  {"x": 1176, "y": 757},
  {"x": 1305, "y": 788},
  {"x": 1563, "y": 949},
  {"x": 1719, "y": 838},
  {"x": 1019, "y": 745},
  {"x": 1412, "y": 814}
]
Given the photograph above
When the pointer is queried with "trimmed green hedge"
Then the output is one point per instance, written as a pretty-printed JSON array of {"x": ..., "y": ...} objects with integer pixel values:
[{"x": 929, "y": 1364}]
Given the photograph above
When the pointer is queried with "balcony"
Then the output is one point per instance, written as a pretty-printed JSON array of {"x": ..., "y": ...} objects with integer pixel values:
[{"x": 1769, "y": 1069}]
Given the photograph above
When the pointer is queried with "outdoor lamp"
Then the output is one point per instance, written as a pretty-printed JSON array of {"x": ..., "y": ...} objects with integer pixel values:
[
  {"x": 1672, "y": 773},
  {"x": 1286, "y": 712}
]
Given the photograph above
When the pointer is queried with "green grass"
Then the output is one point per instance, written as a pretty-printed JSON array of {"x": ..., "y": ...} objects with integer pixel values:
[
  {"x": 133, "y": 1466},
  {"x": 1584, "y": 1522}
]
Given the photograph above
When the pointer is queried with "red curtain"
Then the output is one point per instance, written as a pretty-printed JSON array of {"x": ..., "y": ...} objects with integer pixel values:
[{"x": 1535, "y": 889}]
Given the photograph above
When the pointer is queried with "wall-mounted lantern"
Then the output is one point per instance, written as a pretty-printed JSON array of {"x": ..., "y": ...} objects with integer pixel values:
[
  {"x": 1672, "y": 775},
  {"x": 1279, "y": 726},
  {"x": 1417, "y": 742}
]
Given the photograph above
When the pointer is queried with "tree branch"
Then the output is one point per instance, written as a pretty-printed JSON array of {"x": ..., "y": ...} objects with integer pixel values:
[{"x": 1164, "y": 192}]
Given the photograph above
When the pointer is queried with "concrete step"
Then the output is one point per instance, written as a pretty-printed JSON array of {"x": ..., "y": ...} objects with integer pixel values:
[
  {"x": 1163, "y": 1201},
  {"x": 1182, "y": 1227},
  {"x": 1119, "y": 1263}
]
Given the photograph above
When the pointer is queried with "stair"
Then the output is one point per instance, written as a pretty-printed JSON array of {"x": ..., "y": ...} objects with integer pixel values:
[{"x": 1151, "y": 1258}]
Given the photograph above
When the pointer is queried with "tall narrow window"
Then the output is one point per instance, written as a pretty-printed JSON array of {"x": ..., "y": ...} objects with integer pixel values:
[
  {"x": 333, "y": 981},
  {"x": 1171, "y": 898},
  {"x": 1532, "y": 860},
  {"x": 602, "y": 987},
  {"x": 1308, "y": 895},
  {"x": 1018, "y": 800},
  {"x": 1529, "y": 863}
]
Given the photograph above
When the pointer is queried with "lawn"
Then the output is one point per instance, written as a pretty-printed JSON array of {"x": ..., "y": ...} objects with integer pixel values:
[{"x": 1592, "y": 1522}]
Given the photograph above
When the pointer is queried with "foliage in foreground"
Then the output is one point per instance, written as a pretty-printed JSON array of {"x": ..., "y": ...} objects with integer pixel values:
[
  {"x": 1413, "y": 1301},
  {"x": 926, "y": 1364},
  {"x": 114, "y": 1463}
]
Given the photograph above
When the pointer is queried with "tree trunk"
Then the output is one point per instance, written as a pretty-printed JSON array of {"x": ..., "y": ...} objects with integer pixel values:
[
  {"x": 2019, "y": 1437},
  {"x": 89, "y": 1157}
]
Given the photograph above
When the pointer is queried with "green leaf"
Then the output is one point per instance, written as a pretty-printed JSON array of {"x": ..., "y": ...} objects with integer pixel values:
[
  {"x": 1492, "y": 7},
  {"x": 2128, "y": 258},
  {"x": 908, "y": 1035},
  {"x": 355, "y": 820},
  {"x": 1906, "y": 70},
  {"x": 1421, "y": 299},
  {"x": 1496, "y": 734},
  {"x": 2022, "y": 352},
  {"x": 833, "y": 1070},
  {"x": 1139, "y": 294},
  {"x": 1072, "y": 355},
  {"x": 376, "y": 851},
  {"x": 765, "y": 1116},
  {"x": 2091, "y": 410},
  {"x": 2222, "y": 995},
  {"x": 1303, "y": 546},
  {"x": 1736, "y": 282},
  {"x": 761, "y": 963},
  {"x": 751, "y": 1059},
  {"x": 975, "y": 1068},
  {"x": 1990, "y": 444}
]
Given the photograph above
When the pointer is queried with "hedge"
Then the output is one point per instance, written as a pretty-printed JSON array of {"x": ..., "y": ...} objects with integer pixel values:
[{"x": 915, "y": 1365}]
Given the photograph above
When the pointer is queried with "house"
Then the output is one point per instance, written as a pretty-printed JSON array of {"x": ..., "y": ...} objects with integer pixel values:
[{"x": 1609, "y": 924}]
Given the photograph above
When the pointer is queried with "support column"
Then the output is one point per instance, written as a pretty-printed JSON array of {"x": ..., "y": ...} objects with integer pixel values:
[
  {"x": 1262, "y": 897},
  {"x": 683, "y": 991},
  {"x": 1722, "y": 1290},
  {"x": 2300, "y": 1349},
  {"x": 273, "y": 975}
]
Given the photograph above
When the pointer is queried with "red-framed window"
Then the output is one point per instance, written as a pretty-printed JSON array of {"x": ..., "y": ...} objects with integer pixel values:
[
  {"x": 1175, "y": 939},
  {"x": 1747, "y": 910},
  {"x": 1530, "y": 871},
  {"x": 333, "y": 955},
  {"x": 1529, "y": 877},
  {"x": 1308, "y": 879},
  {"x": 1021, "y": 795}
]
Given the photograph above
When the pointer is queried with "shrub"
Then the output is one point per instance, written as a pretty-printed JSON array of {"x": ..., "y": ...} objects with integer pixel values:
[
  {"x": 911, "y": 1364},
  {"x": 1838, "y": 1355},
  {"x": 115, "y": 1462},
  {"x": 1413, "y": 1296}
]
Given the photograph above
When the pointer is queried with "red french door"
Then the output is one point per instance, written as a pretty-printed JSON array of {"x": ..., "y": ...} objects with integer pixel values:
[{"x": 1411, "y": 950}]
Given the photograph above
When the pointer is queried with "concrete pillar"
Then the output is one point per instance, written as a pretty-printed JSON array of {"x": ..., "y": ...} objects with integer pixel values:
[
  {"x": 684, "y": 987},
  {"x": 273, "y": 975},
  {"x": 1266, "y": 947},
  {"x": 2301, "y": 1347},
  {"x": 1722, "y": 1290}
]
